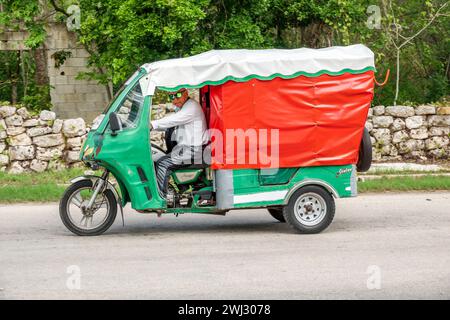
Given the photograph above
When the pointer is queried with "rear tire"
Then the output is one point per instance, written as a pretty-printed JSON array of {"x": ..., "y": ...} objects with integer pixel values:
[
  {"x": 365, "y": 153},
  {"x": 277, "y": 213},
  {"x": 73, "y": 194},
  {"x": 310, "y": 210}
]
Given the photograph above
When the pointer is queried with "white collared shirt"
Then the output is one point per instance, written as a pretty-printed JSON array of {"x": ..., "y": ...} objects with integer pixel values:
[{"x": 190, "y": 122}]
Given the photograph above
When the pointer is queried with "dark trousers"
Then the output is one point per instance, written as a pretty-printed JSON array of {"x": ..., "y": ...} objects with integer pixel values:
[{"x": 180, "y": 157}]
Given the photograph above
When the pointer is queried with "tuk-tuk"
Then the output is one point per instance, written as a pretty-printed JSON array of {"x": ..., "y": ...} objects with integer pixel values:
[{"x": 298, "y": 116}]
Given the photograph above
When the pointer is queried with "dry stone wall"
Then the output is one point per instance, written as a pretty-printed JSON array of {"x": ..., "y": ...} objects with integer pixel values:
[
  {"x": 43, "y": 142},
  {"x": 38, "y": 142},
  {"x": 400, "y": 133}
]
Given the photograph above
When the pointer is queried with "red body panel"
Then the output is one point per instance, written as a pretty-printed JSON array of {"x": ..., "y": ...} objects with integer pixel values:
[{"x": 320, "y": 119}]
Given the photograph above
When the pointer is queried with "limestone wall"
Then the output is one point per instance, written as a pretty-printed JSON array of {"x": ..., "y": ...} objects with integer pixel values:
[
  {"x": 409, "y": 133},
  {"x": 41, "y": 142}
]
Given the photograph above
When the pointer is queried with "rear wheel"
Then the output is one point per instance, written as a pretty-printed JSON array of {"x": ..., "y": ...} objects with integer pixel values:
[
  {"x": 310, "y": 210},
  {"x": 84, "y": 222},
  {"x": 365, "y": 153},
  {"x": 277, "y": 213}
]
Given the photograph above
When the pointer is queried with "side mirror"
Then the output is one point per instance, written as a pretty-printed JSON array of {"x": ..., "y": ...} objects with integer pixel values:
[{"x": 114, "y": 123}]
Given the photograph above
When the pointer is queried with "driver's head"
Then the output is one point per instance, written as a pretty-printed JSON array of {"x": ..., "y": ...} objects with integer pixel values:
[{"x": 179, "y": 97}]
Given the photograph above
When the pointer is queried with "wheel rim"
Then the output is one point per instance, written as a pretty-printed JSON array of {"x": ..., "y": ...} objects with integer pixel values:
[
  {"x": 87, "y": 219},
  {"x": 310, "y": 209}
]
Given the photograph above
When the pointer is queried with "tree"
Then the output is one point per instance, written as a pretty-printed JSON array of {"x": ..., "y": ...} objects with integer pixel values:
[
  {"x": 29, "y": 15},
  {"x": 121, "y": 35},
  {"x": 396, "y": 31}
]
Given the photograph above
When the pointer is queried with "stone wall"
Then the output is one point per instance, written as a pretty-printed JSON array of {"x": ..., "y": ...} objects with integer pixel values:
[
  {"x": 400, "y": 133},
  {"x": 38, "y": 142},
  {"x": 42, "y": 142}
]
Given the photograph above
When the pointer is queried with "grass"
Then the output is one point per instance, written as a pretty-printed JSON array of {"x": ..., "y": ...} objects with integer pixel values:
[
  {"x": 386, "y": 172},
  {"x": 37, "y": 187},
  {"x": 425, "y": 183},
  {"x": 49, "y": 186}
]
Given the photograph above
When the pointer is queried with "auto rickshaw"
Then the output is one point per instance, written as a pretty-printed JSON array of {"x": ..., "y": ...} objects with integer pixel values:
[{"x": 300, "y": 115}]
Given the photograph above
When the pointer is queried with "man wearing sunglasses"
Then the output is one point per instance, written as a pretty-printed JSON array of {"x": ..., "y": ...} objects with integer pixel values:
[{"x": 190, "y": 135}]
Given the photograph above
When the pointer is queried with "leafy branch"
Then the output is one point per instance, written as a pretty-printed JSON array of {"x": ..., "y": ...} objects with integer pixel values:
[{"x": 406, "y": 40}]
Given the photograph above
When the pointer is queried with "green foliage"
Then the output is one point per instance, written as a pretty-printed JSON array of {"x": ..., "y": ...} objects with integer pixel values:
[
  {"x": 24, "y": 13},
  {"x": 124, "y": 34},
  {"x": 37, "y": 98},
  {"x": 60, "y": 57},
  {"x": 19, "y": 71},
  {"x": 424, "y": 62}
]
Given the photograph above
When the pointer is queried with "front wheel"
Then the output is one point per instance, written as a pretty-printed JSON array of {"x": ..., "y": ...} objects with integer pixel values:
[
  {"x": 82, "y": 221},
  {"x": 310, "y": 210}
]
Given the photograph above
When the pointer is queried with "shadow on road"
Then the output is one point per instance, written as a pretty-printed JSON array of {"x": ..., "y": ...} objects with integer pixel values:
[
  {"x": 153, "y": 227},
  {"x": 183, "y": 228}
]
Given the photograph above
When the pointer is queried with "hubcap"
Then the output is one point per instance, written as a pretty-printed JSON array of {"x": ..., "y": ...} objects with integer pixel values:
[
  {"x": 82, "y": 217},
  {"x": 310, "y": 209}
]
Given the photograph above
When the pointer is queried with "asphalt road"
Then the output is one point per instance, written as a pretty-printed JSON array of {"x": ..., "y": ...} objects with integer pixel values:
[{"x": 379, "y": 246}]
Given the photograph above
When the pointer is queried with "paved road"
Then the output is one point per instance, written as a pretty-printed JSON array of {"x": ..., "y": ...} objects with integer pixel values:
[{"x": 379, "y": 246}]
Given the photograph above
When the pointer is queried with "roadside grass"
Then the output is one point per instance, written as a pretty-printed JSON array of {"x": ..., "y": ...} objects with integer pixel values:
[
  {"x": 49, "y": 186},
  {"x": 35, "y": 187},
  {"x": 405, "y": 183},
  {"x": 387, "y": 172}
]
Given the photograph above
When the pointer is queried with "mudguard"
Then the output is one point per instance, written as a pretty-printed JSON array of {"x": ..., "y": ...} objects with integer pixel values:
[{"x": 109, "y": 186}]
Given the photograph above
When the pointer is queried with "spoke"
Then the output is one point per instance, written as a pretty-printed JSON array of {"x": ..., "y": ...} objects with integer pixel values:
[
  {"x": 88, "y": 222},
  {"x": 83, "y": 220},
  {"x": 103, "y": 205},
  {"x": 99, "y": 202},
  {"x": 77, "y": 200}
]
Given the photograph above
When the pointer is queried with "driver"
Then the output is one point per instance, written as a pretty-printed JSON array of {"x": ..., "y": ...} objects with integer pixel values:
[{"x": 190, "y": 134}]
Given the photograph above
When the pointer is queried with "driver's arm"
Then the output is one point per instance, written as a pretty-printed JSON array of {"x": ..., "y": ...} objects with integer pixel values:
[{"x": 185, "y": 115}]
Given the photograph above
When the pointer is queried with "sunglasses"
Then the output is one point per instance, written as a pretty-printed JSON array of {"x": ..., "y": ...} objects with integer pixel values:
[{"x": 177, "y": 95}]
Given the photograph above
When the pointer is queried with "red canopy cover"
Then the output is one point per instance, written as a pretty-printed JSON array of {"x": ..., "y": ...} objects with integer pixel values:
[{"x": 318, "y": 121}]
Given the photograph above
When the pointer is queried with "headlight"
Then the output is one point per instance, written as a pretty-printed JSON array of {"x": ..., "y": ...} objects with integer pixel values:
[{"x": 88, "y": 151}]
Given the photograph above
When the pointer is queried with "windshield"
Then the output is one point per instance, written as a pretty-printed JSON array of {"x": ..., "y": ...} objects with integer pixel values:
[
  {"x": 122, "y": 87},
  {"x": 131, "y": 107}
]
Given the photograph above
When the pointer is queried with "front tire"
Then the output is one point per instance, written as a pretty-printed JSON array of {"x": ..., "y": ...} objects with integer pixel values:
[
  {"x": 310, "y": 210},
  {"x": 80, "y": 221}
]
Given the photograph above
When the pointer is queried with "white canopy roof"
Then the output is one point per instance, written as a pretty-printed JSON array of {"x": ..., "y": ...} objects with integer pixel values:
[{"x": 218, "y": 66}]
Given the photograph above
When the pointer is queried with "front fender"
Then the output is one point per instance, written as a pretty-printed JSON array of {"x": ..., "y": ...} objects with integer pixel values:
[
  {"x": 308, "y": 182},
  {"x": 94, "y": 179},
  {"x": 109, "y": 186}
]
